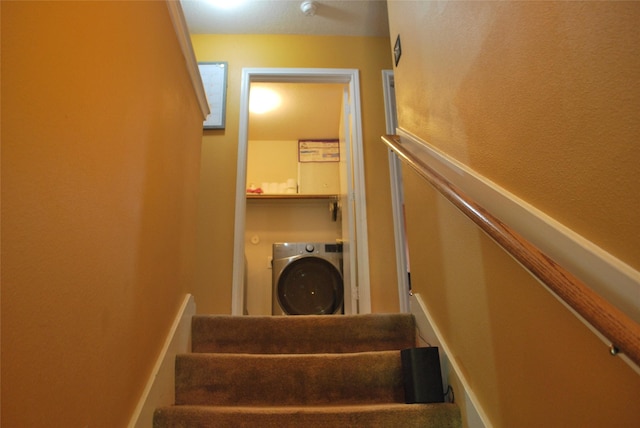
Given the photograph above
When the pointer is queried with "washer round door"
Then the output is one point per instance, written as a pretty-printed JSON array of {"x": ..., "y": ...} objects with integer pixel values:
[{"x": 310, "y": 286}]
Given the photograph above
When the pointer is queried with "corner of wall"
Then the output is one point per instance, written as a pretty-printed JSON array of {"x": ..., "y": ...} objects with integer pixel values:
[
  {"x": 160, "y": 388},
  {"x": 473, "y": 415},
  {"x": 182, "y": 33}
]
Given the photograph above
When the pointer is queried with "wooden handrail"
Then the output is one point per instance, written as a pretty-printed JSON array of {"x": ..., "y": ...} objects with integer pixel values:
[{"x": 613, "y": 324}]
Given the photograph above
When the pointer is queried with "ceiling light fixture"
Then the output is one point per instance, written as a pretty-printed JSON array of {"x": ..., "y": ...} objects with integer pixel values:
[{"x": 309, "y": 8}]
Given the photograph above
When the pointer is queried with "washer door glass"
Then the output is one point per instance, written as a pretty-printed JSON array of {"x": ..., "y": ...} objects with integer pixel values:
[{"x": 310, "y": 286}]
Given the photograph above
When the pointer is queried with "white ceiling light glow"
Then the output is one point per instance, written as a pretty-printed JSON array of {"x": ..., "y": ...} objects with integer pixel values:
[
  {"x": 262, "y": 100},
  {"x": 226, "y": 4},
  {"x": 364, "y": 18}
]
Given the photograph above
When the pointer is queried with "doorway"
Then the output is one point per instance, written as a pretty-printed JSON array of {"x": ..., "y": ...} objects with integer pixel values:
[
  {"x": 293, "y": 181},
  {"x": 357, "y": 294}
]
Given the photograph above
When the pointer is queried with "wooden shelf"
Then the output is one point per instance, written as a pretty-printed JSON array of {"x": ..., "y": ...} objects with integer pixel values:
[{"x": 254, "y": 196}]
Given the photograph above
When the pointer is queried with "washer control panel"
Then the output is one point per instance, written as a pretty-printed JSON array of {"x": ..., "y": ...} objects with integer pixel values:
[{"x": 292, "y": 249}]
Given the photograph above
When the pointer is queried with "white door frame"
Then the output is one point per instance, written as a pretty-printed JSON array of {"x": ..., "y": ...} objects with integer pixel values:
[
  {"x": 397, "y": 199},
  {"x": 346, "y": 209},
  {"x": 301, "y": 75}
]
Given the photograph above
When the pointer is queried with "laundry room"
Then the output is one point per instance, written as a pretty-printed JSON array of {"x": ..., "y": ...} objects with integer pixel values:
[{"x": 294, "y": 163}]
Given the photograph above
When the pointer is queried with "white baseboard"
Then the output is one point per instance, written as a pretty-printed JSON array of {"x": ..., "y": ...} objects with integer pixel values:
[
  {"x": 474, "y": 415},
  {"x": 160, "y": 388}
]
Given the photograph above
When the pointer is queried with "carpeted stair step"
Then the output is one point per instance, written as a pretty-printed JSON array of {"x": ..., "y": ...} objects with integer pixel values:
[
  {"x": 289, "y": 379},
  {"x": 298, "y": 371},
  {"x": 302, "y": 334},
  {"x": 380, "y": 415}
]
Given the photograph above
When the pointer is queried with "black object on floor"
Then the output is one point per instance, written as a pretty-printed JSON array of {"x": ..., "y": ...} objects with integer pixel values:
[{"x": 421, "y": 375}]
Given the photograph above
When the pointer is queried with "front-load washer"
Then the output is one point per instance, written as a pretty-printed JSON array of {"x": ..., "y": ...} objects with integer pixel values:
[{"x": 307, "y": 278}]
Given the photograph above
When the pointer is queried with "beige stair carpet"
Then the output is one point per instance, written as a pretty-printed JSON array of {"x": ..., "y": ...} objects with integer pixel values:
[{"x": 298, "y": 371}]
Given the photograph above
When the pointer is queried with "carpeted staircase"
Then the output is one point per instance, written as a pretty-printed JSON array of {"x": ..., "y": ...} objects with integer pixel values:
[{"x": 298, "y": 371}]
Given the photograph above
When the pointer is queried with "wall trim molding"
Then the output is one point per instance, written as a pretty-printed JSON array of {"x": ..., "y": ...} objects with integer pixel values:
[
  {"x": 397, "y": 195},
  {"x": 474, "y": 415},
  {"x": 160, "y": 388},
  {"x": 608, "y": 276},
  {"x": 184, "y": 39}
]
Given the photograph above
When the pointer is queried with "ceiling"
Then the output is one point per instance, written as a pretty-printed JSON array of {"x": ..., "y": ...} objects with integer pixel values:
[
  {"x": 297, "y": 118},
  {"x": 332, "y": 17}
]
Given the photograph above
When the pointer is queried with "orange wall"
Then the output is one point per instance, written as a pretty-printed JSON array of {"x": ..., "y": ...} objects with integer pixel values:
[
  {"x": 219, "y": 154},
  {"x": 100, "y": 160},
  {"x": 529, "y": 360},
  {"x": 542, "y": 98}
]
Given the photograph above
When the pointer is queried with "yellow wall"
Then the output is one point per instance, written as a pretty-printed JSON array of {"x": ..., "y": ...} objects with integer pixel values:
[
  {"x": 542, "y": 98},
  {"x": 100, "y": 159},
  {"x": 219, "y": 154},
  {"x": 529, "y": 360},
  {"x": 271, "y": 162}
]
